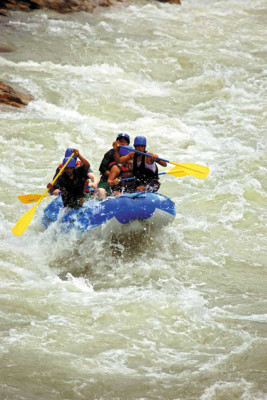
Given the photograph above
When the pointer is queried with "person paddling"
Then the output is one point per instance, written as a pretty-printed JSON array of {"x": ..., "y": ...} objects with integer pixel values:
[
  {"x": 122, "y": 171},
  {"x": 108, "y": 160},
  {"x": 144, "y": 168},
  {"x": 101, "y": 193},
  {"x": 71, "y": 182}
]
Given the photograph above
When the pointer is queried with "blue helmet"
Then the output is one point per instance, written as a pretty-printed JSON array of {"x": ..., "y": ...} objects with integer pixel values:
[
  {"x": 140, "y": 141},
  {"x": 71, "y": 163},
  {"x": 124, "y": 135},
  {"x": 69, "y": 152}
]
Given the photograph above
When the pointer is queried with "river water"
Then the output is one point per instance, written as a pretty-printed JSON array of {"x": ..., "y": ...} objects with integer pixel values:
[{"x": 177, "y": 314}]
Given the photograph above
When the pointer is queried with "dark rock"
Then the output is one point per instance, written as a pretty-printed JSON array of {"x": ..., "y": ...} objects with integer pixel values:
[
  {"x": 13, "y": 97},
  {"x": 171, "y": 1},
  {"x": 61, "y": 6},
  {"x": 4, "y": 49},
  {"x": 3, "y": 12}
]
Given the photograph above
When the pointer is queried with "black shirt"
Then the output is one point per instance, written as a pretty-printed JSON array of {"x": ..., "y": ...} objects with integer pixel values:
[
  {"x": 104, "y": 166},
  {"x": 72, "y": 188}
]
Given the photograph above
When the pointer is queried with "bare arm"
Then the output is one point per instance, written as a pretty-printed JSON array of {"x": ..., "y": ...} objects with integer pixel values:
[
  {"x": 115, "y": 170},
  {"x": 162, "y": 163},
  {"x": 94, "y": 179},
  {"x": 83, "y": 160},
  {"x": 154, "y": 158}
]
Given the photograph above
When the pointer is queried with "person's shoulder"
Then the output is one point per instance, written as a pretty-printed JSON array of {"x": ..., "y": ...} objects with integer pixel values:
[
  {"x": 81, "y": 170},
  {"x": 109, "y": 153},
  {"x": 80, "y": 167}
]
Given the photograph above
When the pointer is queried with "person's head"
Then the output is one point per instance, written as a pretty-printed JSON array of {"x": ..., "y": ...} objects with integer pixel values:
[
  {"x": 70, "y": 166},
  {"x": 123, "y": 138},
  {"x": 69, "y": 152},
  {"x": 140, "y": 143}
]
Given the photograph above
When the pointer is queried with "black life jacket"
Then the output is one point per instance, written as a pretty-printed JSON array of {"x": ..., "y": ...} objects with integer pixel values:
[{"x": 143, "y": 175}]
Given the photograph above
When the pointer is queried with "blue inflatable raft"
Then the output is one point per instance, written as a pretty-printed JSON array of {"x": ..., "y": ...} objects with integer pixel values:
[{"x": 135, "y": 210}]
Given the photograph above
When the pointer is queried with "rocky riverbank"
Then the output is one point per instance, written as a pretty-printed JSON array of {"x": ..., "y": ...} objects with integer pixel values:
[
  {"x": 61, "y": 6},
  {"x": 14, "y": 96}
]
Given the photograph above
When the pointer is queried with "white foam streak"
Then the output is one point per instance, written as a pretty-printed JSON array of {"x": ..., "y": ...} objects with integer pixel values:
[{"x": 48, "y": 66}]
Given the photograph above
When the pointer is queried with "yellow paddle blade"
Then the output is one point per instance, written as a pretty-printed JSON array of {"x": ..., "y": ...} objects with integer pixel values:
[
  {"x": 176, "y": 171},
  {"x": 30, "y": 198},
  {"x": 23, "y": 222},
  {"x": 199, "y": 171}
]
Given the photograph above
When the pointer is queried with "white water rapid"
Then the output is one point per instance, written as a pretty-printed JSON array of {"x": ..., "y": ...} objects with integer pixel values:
[{"x": 178, "y": 314}]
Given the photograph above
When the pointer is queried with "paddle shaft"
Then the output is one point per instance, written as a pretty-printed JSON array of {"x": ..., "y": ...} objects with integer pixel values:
[{"x": 167, "y": 161}]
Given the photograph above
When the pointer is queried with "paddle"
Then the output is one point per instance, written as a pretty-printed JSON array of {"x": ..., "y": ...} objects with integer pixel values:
[
  {"x": 199, "y": 171},
  {"x": 33, "y": 197},
  {"x": 30, "y": 198},
  {"x": 22, "y": 224},
  {"x": 175, "y": 171}
]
